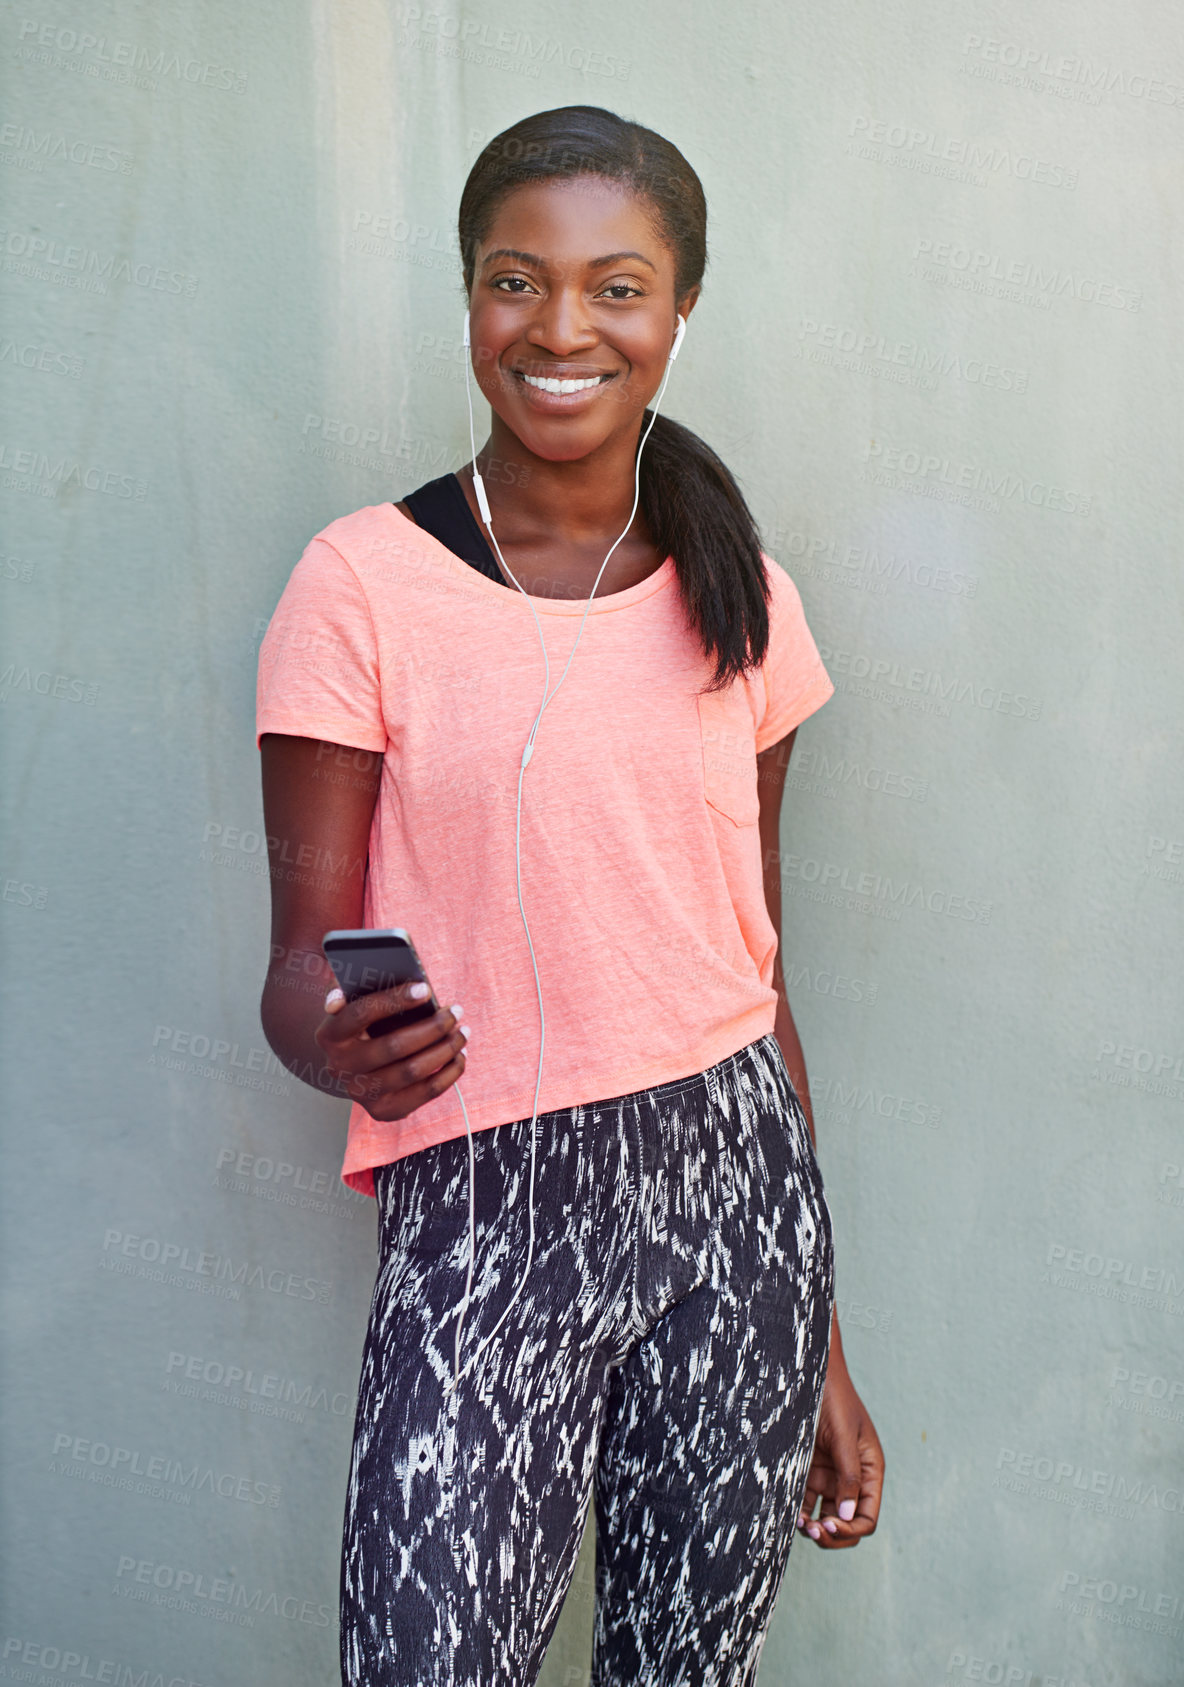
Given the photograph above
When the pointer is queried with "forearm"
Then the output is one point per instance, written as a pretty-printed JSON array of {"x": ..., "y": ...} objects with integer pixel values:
[
  {"x": 292, "y": 1007},
  {"x": 786, "y": 1033},
  {"x": 784, "y": 1029},
  {"x": 790, "y": 1044},
  {"x": 307, "y": 817}
]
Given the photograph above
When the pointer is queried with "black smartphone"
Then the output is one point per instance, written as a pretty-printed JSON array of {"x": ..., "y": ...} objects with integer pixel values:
[{"x": 366, "y": 961}]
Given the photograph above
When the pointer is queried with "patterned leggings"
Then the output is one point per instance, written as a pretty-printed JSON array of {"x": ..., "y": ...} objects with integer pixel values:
[{"x": 665, "y": 1358}]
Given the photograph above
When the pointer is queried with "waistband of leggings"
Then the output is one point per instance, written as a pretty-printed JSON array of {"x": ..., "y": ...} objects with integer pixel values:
[{"x": 766, "y": 1045}]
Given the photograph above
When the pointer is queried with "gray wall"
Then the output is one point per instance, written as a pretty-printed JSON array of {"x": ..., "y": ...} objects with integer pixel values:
[{"x": 941, "y": 346}]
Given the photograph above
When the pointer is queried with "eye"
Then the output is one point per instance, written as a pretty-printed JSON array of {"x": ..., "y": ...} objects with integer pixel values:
[
  {"x": 510, "y": 283},
  {"x": 621, "y": 290}
]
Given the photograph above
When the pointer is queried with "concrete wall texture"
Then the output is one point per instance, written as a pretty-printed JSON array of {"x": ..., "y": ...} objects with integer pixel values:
[{"x": 940, "y": 345}]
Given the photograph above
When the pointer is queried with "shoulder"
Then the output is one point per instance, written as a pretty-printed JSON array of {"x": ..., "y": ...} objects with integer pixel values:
[
  {"x": 783, "y": 594},
  {"x": 361, "y": 550},
  {"x": 363, "y": 533},
  {"x": 795, "y": 680},
  {"x": 788, "y": 629}
]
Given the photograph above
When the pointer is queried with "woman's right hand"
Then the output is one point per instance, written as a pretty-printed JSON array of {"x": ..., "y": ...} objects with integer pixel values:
[{"x": 394, "y": 1074}]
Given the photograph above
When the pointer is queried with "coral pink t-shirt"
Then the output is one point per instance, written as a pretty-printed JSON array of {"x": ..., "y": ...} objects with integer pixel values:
[{"x": 641, "y": 856}]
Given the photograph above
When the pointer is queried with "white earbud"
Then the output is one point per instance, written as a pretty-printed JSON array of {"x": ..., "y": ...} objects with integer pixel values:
[
  {"x": 678, "y": 334},
  {"x": 466, "y": 328}
]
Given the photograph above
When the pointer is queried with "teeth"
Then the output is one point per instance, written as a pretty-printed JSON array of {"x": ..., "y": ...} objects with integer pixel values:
[{"x": 560, "y": 386}]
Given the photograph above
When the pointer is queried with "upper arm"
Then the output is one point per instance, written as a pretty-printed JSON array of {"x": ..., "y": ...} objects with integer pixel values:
[
  {"x": 771, "y": 766},
  {"x": 318, "y": 804}
]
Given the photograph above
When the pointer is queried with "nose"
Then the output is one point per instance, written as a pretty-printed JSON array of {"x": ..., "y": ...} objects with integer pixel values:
[{"x": 560, "y": 325}]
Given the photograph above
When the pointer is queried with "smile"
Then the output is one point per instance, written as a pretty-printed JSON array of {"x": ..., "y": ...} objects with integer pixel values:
[{"x": 546, "y": 384}]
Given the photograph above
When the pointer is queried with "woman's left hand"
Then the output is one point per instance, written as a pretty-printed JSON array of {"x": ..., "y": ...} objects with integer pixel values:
[{"x": 847, "y": 1469}]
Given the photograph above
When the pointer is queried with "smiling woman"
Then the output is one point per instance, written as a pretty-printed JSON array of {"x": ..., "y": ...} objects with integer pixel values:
[{"x": 578, "y": 680}]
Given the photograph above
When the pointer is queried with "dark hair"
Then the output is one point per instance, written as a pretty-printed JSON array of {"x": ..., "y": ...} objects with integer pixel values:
[{"x": 693, "y": 507}]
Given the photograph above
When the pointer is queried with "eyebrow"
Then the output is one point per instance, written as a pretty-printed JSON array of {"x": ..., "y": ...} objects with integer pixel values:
[{"x": 533, "y": 261}]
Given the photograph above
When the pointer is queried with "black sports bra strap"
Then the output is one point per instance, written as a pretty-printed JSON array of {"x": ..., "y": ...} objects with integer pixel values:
[{"x": 441, "y": 509}]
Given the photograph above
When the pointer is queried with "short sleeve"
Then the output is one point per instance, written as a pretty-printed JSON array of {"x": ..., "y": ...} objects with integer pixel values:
[
  {"x": 318, "y": 671},
  {"x": 796, "y": 683}
]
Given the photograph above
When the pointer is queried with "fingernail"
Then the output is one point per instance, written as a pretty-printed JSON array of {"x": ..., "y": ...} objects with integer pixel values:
[
  {"x": 464, "y": 1031},
  {"x": 829, "y": 1524},
  {"x": 417, "y": 992},
  {"x": 332, "y": 999},
  {"x": 846, "y": 1510},
  {"x": 814, "y": 1531},
  {"x": 456, "y": 1010}
]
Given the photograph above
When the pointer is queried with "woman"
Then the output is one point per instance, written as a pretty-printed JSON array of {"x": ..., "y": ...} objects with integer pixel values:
[{"x": 665, "y": 1350}]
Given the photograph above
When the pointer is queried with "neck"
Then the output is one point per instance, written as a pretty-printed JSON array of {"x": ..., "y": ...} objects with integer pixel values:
[{"x": 582, "y": 502}]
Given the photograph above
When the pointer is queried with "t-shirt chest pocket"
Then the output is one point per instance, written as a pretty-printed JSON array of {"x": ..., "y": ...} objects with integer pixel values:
[{"x": 729, "y": 754}]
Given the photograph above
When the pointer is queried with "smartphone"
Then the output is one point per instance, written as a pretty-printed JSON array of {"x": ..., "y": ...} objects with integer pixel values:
[{"x": 366, "y": 961}]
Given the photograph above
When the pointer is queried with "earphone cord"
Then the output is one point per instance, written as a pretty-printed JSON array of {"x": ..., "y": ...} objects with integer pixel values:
[{"x": 527, "y": 752}]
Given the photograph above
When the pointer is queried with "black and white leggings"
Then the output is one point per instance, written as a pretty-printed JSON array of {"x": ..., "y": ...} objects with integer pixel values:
[{"x": 665, "y": 1358}]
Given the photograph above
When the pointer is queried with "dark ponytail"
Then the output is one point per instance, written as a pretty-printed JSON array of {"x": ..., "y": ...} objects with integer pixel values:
[{"x": 693, "y": 507}]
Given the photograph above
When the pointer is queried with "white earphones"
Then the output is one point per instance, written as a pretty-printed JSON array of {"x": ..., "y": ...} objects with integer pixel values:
[{"x": 527, "y": 752}]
